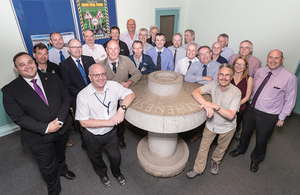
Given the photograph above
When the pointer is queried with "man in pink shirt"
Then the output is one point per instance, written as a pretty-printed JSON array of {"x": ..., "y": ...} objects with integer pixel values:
[
  {"x": 272, "y": 100},
  {"x": 246, "y": 48}
]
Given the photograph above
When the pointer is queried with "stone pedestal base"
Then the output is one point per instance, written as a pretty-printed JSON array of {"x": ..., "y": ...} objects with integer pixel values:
[{"x": 163, "y": 167}]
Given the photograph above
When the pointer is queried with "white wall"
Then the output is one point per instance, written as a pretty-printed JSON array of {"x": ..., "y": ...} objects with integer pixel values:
[
  {"x": 10, "y": 42},
  {"x": 143, "y": 12},
  {"x": 269, "y": 24}
]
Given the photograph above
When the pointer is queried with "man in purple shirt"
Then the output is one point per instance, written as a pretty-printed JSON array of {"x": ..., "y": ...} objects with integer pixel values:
[
  {"x": 270, "y": 106},
  {"x": 246, "y": 48}
]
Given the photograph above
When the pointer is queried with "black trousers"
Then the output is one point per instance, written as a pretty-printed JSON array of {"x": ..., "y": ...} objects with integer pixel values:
[
  {"x": 264, "y": 124},
  {"x": 239, "y": 119},
  {"x": 120, "y": 127},
  {"x": 110, "y": 142},
  {"x": 51, "y": 160}
]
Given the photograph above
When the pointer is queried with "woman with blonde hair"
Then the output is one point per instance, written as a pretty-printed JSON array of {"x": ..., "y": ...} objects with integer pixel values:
[{"x": 244, "y": 82}]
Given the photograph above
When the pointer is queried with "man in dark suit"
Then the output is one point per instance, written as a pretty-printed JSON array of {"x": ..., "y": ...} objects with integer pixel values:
[
  {"x": 142, "y": 61},
  {"x": 39, "y": 103},
  {"x": 75, "y": 77},
  {"x": 74, "y": 72}
]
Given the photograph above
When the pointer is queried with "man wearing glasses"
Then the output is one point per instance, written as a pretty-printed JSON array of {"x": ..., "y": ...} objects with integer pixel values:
[
  {"x": 205, "y": 70},
  {"x": 74, "y": 71},
  {"x": 246, "y": 48},
  {"x": 98, "y": 115},
  {"x": 221, "y": 119},
  {"x": 143, "y": 35}
]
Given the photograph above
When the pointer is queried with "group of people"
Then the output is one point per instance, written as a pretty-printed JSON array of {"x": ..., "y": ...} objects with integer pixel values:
[{"x": 94, "y": 81}]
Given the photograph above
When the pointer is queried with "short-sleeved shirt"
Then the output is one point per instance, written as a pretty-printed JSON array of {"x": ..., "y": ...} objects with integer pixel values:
[
  {"x": 89, "y": 104},
  {"x": 228, "y": 99}
]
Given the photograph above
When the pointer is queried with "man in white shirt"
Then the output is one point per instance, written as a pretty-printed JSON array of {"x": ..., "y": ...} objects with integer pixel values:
[
  {"x": 96, "y": 51},
  {"x": 184, "y": 64},
  {"x": 97, "y": 113}
]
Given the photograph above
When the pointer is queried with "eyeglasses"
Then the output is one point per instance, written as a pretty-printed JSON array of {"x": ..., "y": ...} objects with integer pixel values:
[
  {"x": 237, "y": 64},
  {"x": 224, "y": 75},
  {"x": 98, "y": 75},
  {"x": 143, "y": 35},
  {"x": 204, "y": 54},
  {"x": 244, "y": 47},
  {"x": 76, "y": 47}
]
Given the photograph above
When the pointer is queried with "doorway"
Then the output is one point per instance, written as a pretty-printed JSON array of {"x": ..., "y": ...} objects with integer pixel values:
[{"x": 167, "y": 19}]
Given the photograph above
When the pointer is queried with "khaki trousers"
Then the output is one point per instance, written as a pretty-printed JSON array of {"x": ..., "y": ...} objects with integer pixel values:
[{"x": 208, "y": 137}]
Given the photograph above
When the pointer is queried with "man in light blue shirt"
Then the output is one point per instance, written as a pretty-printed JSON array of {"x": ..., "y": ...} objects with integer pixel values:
[
  {"x": 226, "y": 51},
  {"x": 58, "y": 53},
  {"x": 177, "y": 50},
  {"x": 161, "y": 56},
  {"x": 205, "y": 70}
]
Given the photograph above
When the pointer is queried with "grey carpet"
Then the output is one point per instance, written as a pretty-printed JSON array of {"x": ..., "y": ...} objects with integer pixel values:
[{"x": 278, "y": 174}]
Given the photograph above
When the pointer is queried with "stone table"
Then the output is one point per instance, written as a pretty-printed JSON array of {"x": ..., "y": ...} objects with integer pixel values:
[{"x": 164, "y": 107}]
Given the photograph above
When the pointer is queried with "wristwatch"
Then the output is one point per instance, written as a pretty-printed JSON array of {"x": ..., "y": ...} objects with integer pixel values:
[
  {"x": 123, "y": 107},
  {"x": 219, "y": 108}
]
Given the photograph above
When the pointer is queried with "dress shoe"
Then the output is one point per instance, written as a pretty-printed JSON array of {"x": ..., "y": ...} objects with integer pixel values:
[
  {"x": 194, "y": 139},
  {"x": 254, "y": 167},
  {"x": 69, "y": 143},
  {"x": 192, "y": 174},
  {"x": 121, "y": 180},
  {"x": 122, "y": 144},
  {"x": 105, "y": 180},
  {"x": 70, "y": 175},
  {"x": 234, "y": 153}
]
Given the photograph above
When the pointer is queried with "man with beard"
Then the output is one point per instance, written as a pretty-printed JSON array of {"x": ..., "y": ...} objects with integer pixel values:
[{"x": 221, "y": 119}]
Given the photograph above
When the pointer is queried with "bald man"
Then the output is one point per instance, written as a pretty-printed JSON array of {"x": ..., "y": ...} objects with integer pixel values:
[
  {"x": 272, "y": 100},
  {"x": 121, "y": 69},
  {"x": 216, "y": 50},
  {"x": 96, "y": 51},
  {"x": 131, "y": 35}
]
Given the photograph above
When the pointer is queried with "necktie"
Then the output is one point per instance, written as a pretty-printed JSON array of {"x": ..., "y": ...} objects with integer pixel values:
[
  {"x": 262, "y": 85},
  {"x": 204, "y": 73},
  {"x": 175, "y": 57},
  {"x": 81, "y": 70},
  {"x": 158, "y": 60},
  {"x": 114, "y": 66},
  {"x": 38, "y": 90},
  {"x": 62, "y": 57},
  {"x": 190, "y": 63}
]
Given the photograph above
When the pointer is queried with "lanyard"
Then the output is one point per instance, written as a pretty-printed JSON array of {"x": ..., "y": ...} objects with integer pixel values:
[{"x": 107, "y": 106}]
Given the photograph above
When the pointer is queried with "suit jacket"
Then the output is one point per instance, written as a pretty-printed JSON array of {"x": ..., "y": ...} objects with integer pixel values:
[
  {"x": 146, "y": 66},
  {"x": 125, "y": 69},
  {"x": 71, "y": 76},
  {"x": 25, "y": 107}
]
